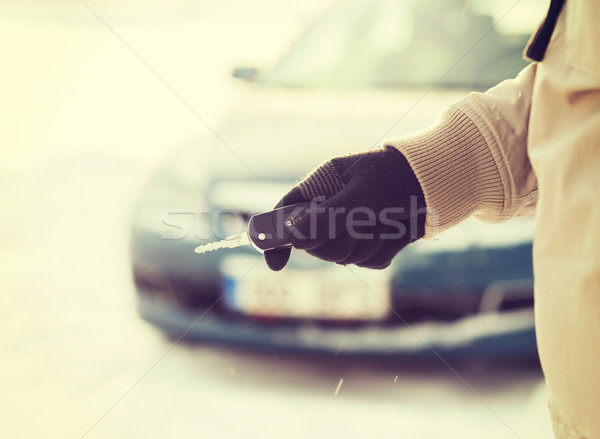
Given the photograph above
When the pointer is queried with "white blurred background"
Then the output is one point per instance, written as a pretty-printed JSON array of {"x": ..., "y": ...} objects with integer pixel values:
[{"x": 82, "y": 122}]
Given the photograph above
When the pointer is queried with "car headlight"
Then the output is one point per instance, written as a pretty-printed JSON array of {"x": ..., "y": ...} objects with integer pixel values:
[{"x": 172, "y": 212}]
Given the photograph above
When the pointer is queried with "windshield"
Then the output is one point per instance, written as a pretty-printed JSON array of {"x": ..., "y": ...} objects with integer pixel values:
[{"x": 404, "y": 43}]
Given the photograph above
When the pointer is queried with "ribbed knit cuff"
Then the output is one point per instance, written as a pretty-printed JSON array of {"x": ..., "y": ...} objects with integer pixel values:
[{"x": 456, "y": 170}]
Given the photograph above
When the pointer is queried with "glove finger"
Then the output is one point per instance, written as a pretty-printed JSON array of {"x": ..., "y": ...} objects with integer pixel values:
[
  {"x": 364, "y": 250},
  {"x": 383, "y": 258},
  {"x": 292, "y": 197},
  {"x": 336, "y": 249},
  {"x": 321, "y": 223},
  {"x": 320, "y": 184},
  {"x": 278, "y": 258}
]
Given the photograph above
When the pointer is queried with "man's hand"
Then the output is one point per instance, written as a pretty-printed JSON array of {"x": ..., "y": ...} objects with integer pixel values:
[{"x": 367, "y": 207}]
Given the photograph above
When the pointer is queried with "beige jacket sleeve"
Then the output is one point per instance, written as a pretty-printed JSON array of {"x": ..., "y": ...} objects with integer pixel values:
[{"x": 473, "y": 160}]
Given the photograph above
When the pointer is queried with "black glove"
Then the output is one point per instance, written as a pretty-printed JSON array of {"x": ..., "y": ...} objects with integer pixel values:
[{"x": 367, "y": 208}]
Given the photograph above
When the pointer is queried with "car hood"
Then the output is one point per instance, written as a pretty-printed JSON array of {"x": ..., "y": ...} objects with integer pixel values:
[{"x": 280, "y": 134}]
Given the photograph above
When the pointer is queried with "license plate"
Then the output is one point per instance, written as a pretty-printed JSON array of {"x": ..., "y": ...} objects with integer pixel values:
[{"x": 331, "y": 293}]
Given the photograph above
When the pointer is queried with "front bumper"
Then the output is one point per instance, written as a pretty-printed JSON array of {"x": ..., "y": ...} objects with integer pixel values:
[{"x": 504, "y": 336}]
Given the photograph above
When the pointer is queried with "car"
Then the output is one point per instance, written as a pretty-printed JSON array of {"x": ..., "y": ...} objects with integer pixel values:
[{"x": 365, "y": 71}]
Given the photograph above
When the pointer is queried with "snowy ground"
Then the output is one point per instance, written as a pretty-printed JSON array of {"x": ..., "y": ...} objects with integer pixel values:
[{"x": 82, "y": 120}]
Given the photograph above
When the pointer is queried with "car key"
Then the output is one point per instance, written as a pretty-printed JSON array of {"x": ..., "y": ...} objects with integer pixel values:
[{"x": 266, "y": 231}]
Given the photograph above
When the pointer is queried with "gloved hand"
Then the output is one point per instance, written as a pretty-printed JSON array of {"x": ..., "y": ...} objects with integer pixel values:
[{"x": 367, "y": 208}]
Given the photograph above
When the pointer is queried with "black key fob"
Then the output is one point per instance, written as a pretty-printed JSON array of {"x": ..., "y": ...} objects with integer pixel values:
[{"x": 273, "y": 229}]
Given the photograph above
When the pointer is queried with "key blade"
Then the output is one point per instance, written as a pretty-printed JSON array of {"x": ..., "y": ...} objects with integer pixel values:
[{"x": 229, "y": 242}]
